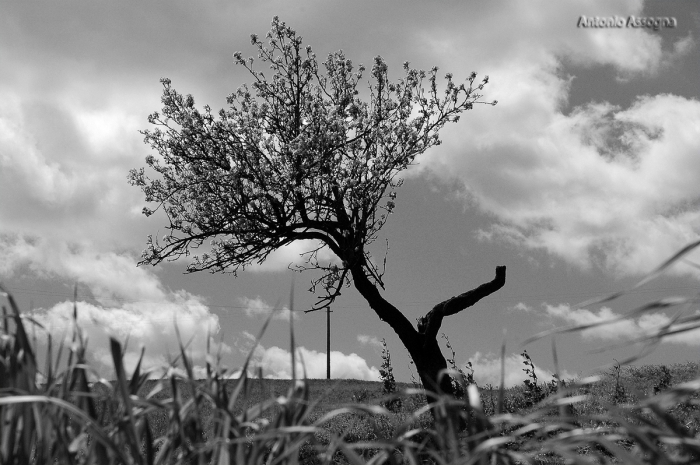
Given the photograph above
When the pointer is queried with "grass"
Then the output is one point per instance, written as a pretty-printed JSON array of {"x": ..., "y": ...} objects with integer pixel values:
[
  {"x": 627, "y": 386},
  {"x": 53, "y": 414}
]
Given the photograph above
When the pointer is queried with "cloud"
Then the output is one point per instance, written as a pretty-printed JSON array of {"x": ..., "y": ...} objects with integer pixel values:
[
  {"x": 142, "y": 324},
  {"x": 646, "y": 325},
  {"x": 258, "y": 308},
  {"x": 521, "y": 307},
  {"x": 602, "y": 185},
  {"x": 68, "y": 137},
  {"x": 487, "y": 370},
  {"x": 64, "y": 167},
  {"x": 65, "y": 151},
  {"x": 294, "y": 254},
  {"x": 372, "y": 341},
  {"x": 276, "y": 363},
  {"x": 131, "y": 303},
  {"x": 111, "y": 277},
  {"x": 64, "y": 154}
]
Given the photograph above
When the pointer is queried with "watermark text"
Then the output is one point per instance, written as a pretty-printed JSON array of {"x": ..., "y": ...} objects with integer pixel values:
[{"x": 656, "y": 23}]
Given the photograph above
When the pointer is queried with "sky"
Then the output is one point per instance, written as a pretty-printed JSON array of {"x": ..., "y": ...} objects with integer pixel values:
[{"x": 581, "y": 180}]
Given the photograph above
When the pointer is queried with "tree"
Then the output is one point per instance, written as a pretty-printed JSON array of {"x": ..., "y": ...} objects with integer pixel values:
[{"x": 298, "y": 155}]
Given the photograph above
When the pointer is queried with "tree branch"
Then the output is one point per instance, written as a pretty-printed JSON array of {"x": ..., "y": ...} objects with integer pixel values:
[
  {"x": 430, "y": 324},
  {"x": 384, "y": 310}
]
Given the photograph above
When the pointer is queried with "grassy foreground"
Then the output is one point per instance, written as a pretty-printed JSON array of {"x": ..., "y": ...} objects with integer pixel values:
[{"x": 56, "y": 414}]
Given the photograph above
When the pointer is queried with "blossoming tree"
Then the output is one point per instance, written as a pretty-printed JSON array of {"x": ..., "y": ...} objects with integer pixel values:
[{"x": 299, "y": 155}]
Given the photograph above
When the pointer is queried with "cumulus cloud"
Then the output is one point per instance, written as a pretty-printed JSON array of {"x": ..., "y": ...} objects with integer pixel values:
[
  {"x": 600, "y": 186},
  {"x": 607, "y": 187},
  {"x": 131, "y": 304},
  {"x": 109, "y": 276},
  {"x": 258, "y": 308},
  {"x": 141, "y": 324},
  {"x": 294, "y": 254},
  {"x": 584, "y": 186},
  {"x": 64, "y": 154},
  {"x": 487, "y": 370},
  {"x": 521, "y": 307},
  {"x": 646, "y": 325},
  {"x": 371, "y": 341},
  {"x": 65, "y": 172},
  {"x": 64, "y": 166},
  {"x": 277, "y": 362}
]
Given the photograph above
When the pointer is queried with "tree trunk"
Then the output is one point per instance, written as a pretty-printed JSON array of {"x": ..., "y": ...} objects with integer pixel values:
[
  {"x": 430, "y": 362},
  {"x": 422, "y": 343}
]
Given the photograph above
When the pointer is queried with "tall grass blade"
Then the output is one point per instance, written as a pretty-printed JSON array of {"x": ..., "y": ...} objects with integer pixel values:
[
  {"x": 291, "y": 331},
  {"x": 502, "y": 387},
  {"x": 649, "y": 277},
  {"x": 22, "y": 340},
  {"x": 94, "y": 429},
  {"x": 5, "y": 318},
  {"x": 130, "y": 425}
]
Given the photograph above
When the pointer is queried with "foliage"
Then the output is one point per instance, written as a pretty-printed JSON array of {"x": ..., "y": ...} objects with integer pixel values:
[
  {"x": 619, "y": 394},
  {"x": 462, "y": 378},
  {"x": 414, "y": 381},
  {"x": 535, "y": 392},
  {"x": 386, "y": 375},
  {"x": 297, "y": 155},
  {"x": 665, "y": 380}
]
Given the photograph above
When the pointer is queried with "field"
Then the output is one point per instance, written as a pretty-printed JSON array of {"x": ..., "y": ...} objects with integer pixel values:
[
  {"x": 628, "y": 414},
  {"x": 618, "y": 386}
]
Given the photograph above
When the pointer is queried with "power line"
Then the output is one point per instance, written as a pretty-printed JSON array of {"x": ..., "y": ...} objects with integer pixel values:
[{"x": 494, "y": 300}]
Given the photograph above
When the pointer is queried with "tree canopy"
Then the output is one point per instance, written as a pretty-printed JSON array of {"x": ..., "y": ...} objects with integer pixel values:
[
  {"x": 297, "y": 155},
  {"x": 300, "y": 155}
]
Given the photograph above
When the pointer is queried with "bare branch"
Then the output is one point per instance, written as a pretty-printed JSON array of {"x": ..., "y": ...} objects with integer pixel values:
[{"x": 429, "y": 325}]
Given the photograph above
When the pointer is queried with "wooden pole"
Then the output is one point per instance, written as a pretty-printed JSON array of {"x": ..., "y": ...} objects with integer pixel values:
[{"x": 328, "y": 342}]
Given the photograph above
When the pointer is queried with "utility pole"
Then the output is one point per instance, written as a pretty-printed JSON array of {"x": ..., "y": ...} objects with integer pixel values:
[{"x": 328, "y": 342}]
